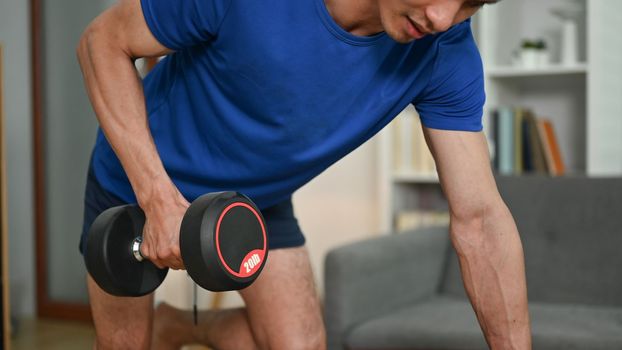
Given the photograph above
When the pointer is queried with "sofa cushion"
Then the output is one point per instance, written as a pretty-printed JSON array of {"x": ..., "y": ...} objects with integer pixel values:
[
  {"x": 571, "y": 229},
  {"x": 449, "y": 323}
]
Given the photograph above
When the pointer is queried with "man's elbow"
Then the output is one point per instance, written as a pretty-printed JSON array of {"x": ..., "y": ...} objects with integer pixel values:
[
  {"x": 87, "y": 42},
  {"x": 99, "y": 40},
  {"x": 82, "y": 48},
  {"x": 474, "y": 227}
]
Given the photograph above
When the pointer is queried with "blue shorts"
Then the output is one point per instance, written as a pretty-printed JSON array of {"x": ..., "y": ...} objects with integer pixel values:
[{"x": 281, "y": 224}]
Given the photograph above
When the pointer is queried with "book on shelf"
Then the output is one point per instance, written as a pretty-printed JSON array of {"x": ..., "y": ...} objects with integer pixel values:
[
  {"x": 414, "y": 219},
  {"x": 503, "y": 121},
  {"x": 523, "y": 143},
  {"x": 552, "y": 153},
  {"x": 533, "y": 149},
  {"x": 410, "y": 150},
  {"x": 518, "y": 141},
  {"x": 493, "y": 121}
]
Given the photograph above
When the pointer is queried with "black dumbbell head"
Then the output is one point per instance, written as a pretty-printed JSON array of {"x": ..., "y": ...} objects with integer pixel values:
[
  {"x": 109, "y": 258},
  {"x": 223, "y": 241}
]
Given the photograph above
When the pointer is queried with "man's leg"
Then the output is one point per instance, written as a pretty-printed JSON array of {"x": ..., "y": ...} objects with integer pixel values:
[
  {"x": 283, "y": 307},
  {"x": 120, "y": 323},
  {"x": 282, "y": 312}
]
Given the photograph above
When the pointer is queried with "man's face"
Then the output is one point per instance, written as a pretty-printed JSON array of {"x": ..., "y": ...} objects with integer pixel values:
[{"x": 407, "y": 20}]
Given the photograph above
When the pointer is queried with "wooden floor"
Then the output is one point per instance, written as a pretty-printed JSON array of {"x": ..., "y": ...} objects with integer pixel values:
[
  {"x": 52, "y": 335},
  {"x": 48, "y": 334}
]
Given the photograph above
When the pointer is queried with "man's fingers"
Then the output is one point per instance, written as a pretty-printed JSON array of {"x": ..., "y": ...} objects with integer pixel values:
[
  {"x": 163, "y": 257},
  {"x": 150, "y": 254},
  {"x": 177, "y": 265}
]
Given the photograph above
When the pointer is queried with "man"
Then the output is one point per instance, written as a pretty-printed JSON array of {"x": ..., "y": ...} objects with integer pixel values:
[{"x": 260, "y": 97}]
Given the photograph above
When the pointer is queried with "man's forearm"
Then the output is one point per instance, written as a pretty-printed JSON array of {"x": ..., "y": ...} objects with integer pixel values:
[{"x": 493, "y": 270}]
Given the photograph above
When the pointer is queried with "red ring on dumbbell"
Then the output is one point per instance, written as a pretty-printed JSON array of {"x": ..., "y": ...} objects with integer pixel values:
[{"x": 263, "y": 232}]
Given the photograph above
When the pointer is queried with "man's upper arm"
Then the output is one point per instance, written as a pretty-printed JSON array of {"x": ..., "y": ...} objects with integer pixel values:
[
  {"x": 144, "y": 28},
  {"x": 124, "y": 25},
  {"x": 451, "y": 109},
  {"x": 463, "y": 165}
]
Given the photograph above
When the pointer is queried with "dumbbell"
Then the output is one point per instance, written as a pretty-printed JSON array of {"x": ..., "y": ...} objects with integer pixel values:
[{"x": 222, "y": 239}]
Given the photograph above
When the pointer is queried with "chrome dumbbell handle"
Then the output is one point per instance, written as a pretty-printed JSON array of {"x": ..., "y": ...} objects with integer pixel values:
[{"x": 136, "y": 249}]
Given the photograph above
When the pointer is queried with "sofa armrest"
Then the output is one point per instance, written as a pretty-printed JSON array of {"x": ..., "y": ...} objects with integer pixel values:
[{"x": 378, "y": 275}]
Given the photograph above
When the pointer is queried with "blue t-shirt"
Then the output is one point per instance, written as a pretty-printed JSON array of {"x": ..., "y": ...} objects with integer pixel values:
[{"x": 262, "y": 96}]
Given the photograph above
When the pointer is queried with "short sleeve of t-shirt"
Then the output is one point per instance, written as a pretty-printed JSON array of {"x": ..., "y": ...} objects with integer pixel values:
[
  {"x": 454, "y": 96},
  {"x": 183, "y": 23}
]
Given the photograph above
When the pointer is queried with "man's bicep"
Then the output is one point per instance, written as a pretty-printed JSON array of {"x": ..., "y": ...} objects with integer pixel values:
[
  {"x": 463, "y": 165},
  {"x": 124, "y": 26}
]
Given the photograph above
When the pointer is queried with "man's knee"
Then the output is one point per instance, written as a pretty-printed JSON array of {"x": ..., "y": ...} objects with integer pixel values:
[
  {"x": 310, "y": 337},
  {"x": 118, "y": 334},
  {"x": 302, "y": 334},
  {"x": 120, "y": 323},
  {"x": 312, "y": 340},
  {"x": 121, "y": 340}
]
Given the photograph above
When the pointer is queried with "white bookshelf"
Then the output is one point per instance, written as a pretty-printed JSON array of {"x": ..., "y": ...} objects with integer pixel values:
[
  {"x": 414, "y": 177},
  {"x": 551, "y": 70},
  {"x": 584, "y": 100}
]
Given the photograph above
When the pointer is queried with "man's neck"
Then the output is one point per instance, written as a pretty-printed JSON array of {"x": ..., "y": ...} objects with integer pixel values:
[{"x": 359, "y": 17}]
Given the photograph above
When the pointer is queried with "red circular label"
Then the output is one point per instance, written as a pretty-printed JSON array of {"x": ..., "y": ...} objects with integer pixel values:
[{"x": 253, "y": 259}]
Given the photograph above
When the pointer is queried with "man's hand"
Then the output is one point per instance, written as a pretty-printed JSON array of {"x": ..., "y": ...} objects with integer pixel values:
[
  {"x": 161, "y": 231},
  {"x": 484, "y": 236}
]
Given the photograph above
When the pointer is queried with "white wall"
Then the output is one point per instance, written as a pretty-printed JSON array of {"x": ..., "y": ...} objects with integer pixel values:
[
  {"x": 340, "y": 205},
  {"x": 15, "y": 38}
]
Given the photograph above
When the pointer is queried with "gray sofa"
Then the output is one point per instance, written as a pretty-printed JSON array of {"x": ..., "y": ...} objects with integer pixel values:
[{"x": 404, "y": 291}]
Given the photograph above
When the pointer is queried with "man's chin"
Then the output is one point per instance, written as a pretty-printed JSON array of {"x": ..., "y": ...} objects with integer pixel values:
[{"x": 401, "y": 38}]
